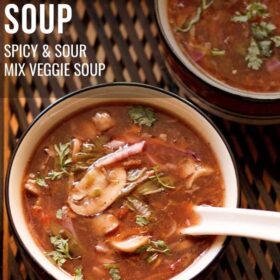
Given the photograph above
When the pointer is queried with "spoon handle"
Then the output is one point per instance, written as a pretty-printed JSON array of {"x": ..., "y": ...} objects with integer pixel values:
[{"x": 236, "y": 222}]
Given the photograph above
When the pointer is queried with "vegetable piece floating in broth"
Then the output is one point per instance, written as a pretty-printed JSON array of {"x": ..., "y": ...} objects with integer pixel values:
[{"x": 111, "y": 202}]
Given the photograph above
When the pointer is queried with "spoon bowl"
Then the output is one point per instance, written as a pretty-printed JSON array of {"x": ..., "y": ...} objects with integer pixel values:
[{"x": 250, "y": 223}]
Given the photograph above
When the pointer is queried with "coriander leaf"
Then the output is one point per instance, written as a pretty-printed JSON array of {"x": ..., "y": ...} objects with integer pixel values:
[
  {"x": 142, "y": 115},
  {"x": 276, "y": 40},
  {"x": 61, "y": 250},
  {"x": 55, "y": 175},
  {"x": 57, "y": 257},
  {"x": 63, "y": 152},
  {"x": 253, "y": 11},
  {"x": 257, "y": 9},
  {"x": 59, "y": 214},
  {"x": 113, "y": 271},
  {"x": 78, "y": 275},
  {"x": 217, "y": 52},
  {"x": 239, "y": 18},
  {"x": 263, "y": 30},
  {"x": 253, "y": 59},
  {"x": 64, "y": 159},
  {"x": 153, "y": 250},
  {"x": 160, "y": 247},
  {"x": 40, "y": 181},
  {"x": 265, "y": 48},
  {"x": 142, "y": 221}
]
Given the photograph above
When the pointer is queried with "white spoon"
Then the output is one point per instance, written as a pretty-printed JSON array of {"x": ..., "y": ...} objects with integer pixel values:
[{"x": 257, "y": 224}]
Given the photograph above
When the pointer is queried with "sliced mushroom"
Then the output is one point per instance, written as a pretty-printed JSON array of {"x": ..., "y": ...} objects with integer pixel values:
[
  {"x": 191, "y": 170},
  {"x": 131, "y": 244},
  {"x": 109, "y": 188},
  {"x": 92, "y": 183},
  {"x": 104, "y": 224},
  {"x": 103, "y": 121},
  {"x": 187, "y": 167},
  {"x": 200, "y": 172},
  {"x": 98, "y": 189}
]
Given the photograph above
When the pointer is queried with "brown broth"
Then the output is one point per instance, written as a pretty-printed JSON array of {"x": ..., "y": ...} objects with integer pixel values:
[
  {"x": 216, "y": 29},
  {"x": 171, "y": 207}
]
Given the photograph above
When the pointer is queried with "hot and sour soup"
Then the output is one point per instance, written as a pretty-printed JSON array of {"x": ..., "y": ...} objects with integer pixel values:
[
  {"x": 236, "y": 42},
  {"x": 107, "y": 191}
]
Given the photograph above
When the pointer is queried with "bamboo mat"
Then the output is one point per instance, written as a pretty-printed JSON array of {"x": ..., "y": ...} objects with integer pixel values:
[{"x": 123, "y": 35}]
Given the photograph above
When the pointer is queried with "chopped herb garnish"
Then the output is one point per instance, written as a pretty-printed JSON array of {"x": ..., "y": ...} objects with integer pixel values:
[
  {"x": 113, "y": 271},
  {"x": 61, "y": 250},
  {"x": 253, "y": 56},
  {"x": 142, "y": 221},
  {"x": 217, "y": 52},
  {"x": 153, "y": 250},
  {"x": 40, "y": 181},
  {"x": 78, "y": 274},
  {"x": 159, "y": 246},
  {"x": 63, "y": 151},
  {"x": 64, "y": 159},
  {"x": 188, "y": 24},
  {"x": 55, "y": 175},
  {"x": 262, "y": 37},
  {"x": 253, "y": 11},
  {"x": 263, "y": 30},
  {"x": 239, "y": 18},
  {"x": 142, "y": 115},
  {"x": 59, "y": 214},
  {"x": 276, "y": 40},
  {"x": 265, "y": 48}
]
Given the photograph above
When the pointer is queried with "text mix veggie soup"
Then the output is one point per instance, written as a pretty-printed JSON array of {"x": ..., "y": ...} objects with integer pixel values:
[
  {"x": 235, "y": 41},
  {"x": 108, "y": 190}
]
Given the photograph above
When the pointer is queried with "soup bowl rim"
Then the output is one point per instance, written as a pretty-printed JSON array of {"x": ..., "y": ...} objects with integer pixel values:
[
  {"x": 19, "y": 237},
  {"x": 198, "y": 71}
]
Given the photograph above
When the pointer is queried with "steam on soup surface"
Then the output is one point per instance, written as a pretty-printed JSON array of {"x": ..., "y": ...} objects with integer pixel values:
[
  {"x": 235, "y": 41},
  {"x": 107, "y": 191}
]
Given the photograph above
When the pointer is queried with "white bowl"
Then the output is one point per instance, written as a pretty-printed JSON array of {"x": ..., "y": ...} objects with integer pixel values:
[
  {"x": 108, "y": 93},
  {"x": 206, "y": 91}
]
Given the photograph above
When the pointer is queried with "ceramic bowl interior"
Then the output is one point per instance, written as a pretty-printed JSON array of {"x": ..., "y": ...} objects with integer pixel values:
[
  {"x": 165, "y": 28},
  {"x": 107, "y": 94}
]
